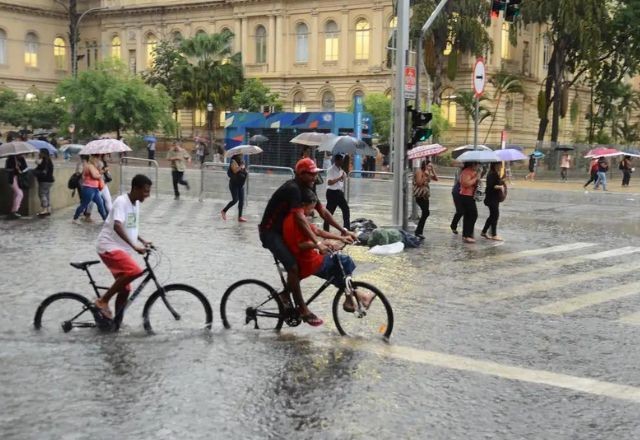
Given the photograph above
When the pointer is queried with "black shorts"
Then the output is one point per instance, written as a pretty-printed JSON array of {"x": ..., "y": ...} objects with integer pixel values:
[{"x": 274, "y": 242}]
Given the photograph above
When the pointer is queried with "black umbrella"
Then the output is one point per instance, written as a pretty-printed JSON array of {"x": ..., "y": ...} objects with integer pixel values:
[
  {"x": 257, "y": 139},
  {"x": 564, "y": 148}
]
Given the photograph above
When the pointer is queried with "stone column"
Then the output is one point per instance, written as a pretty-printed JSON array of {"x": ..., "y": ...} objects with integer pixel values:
[
  {"x": 313, "y": 42},
  {"x": 244, "y": 40},
  {"x": 237, "y": 35},
  {"x": 279, "y": 65},
  {"x": 376, "y": 43},
  {"x": 271, "y": 44},
  {"x": 344, "y": 55}
]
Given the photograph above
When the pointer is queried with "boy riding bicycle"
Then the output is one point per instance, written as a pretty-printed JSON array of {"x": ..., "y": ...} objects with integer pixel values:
[
  {"x": 118, "y": 237},
  {"x": 311, "y": 261}
]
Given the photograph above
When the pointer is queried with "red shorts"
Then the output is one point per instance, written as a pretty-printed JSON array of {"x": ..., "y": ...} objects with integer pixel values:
[{"x": 121, "y": 263}]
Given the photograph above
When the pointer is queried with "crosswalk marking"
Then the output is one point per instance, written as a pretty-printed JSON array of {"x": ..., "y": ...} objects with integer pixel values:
[
  {"x": 589, "y": 299},
  {"x": 552, "y": 283}
]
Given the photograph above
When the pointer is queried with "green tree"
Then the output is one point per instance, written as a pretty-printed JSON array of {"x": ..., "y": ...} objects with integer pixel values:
[
  {"x": 253, "y": 95},
  {"x": 439, "y": 123},
  {"x": 45, "y": 111},
  {"x": 380, "y": 107},
  {"x": 504, "y": 84},
  {"x": 12, "y": 109},
  {"x": 467, "y": 101},
  {"x": 460, "y": 28},
  {"x": 110, "y": 98}
]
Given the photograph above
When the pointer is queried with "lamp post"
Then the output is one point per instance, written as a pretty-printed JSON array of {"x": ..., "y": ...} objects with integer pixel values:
[
  {"x": 74, "y": 26},
  {"x": 210, "y": 124}
]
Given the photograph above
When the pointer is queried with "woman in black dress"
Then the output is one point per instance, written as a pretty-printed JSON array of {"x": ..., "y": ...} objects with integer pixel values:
[{"x": 493, "y": 195}]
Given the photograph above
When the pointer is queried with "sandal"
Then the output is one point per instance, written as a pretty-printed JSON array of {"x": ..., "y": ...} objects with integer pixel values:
[
  {"x": 104, "y": 310},
  {"x": 312, "y": 320},
  {"x": 365, "y": 302},
  {"x": 484, "y": 234}
]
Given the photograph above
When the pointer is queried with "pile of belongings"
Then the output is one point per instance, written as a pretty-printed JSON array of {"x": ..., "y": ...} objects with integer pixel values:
[{"x": 370, "y": 235}]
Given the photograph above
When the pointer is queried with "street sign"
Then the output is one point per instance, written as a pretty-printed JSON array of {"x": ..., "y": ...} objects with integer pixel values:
[
  {"x": 410, "y": 82},
  {"x": 479, "y": 77}
]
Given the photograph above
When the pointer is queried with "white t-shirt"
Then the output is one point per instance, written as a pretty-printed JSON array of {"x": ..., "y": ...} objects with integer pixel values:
[
  {"x": 334, "y": 173},
  {"x": 126, "y": 213}
]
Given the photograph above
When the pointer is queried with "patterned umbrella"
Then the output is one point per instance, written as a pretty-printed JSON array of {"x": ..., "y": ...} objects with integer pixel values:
[
  {"x": 602, "y": 152},
  {"x": 425, "y": 150},
  {"x": 105, "y": 146},
  {"x": 16, "y": 147}
]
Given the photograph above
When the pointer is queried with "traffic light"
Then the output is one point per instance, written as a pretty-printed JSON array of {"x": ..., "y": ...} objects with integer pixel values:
[
  {"x": 419, "y": 130},
  {"x": 512, "y": 11},
  {"x": 496, "y": 7}
]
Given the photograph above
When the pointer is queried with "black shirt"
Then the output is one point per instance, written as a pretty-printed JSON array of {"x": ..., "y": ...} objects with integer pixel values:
[
  {"x": 286, "y": 198},
  {"x": 10, "y": 166},
  {"x": 44, "y": 171},
  {"x": 492, "y": 194}
]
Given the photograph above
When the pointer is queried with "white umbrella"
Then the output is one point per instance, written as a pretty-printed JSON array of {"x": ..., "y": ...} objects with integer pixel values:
[
  {"x": 16, "y": 147},
  {"x": 459, "y": 150},
  {"x": 73, "y": 148},
  {"x": 311, "y": 138},
  {"x": 104, "y": 146},
  {"x": 243, "y": 149},
  {"x": 483, "y": 156}
]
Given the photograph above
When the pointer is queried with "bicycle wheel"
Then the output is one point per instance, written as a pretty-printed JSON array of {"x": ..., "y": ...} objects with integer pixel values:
[
  {"x": 251, "y": 305},
  {"x": 177, "y": 308},
  {"x": 376, "y": 320},
  {"x": 65, "y": 311}
]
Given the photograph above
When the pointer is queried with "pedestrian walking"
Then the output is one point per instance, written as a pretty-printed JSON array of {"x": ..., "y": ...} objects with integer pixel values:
[
  {"x": 44, "y": 175},
  {"x": 603, "y": 167},
  {"x": 200, "y": 150},
  {"x": 532, "y": 168},
  {"x": 105, "y": 171},
  {"x": 455, "y": 195},
  {"x": 237, "y": 173},
  {"x": 92, "y": 183},
  {"x": 593, "y": 172},
  {"x": 422, "y": 192},
  {"x": 565, "y": 164},
  {"x": 625, "y": 167},
  {"x": 493, "y": 195},
  {"x": 469, "y": 179},
  {"x": 336, "y": 177},
  {"x": 178, "y": 156},
  {"x": 151, "y": 151},
  {"x": 15, "y": 167}
]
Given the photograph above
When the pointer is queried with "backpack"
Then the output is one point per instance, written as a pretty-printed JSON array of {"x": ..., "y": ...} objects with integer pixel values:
[
  {"x": 74, "y": 182},
  {"x": 621, "y": 166}
]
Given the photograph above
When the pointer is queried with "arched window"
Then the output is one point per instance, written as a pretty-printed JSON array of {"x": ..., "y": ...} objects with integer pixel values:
[
  {"x": 505, "y": 48},
  {"x": 302, "y": 43},
  {"x": 176, "y": 38},
  {"x": 3, "y": 47},
  {"x": 261, "y": 45},
  {"x": 31, "y": 50},
  {"x": 59, "y": 54},
  {"x": 152, "y": 43},
  {"x": 298, "y": 103},
  {"x": 328, "y": 102},
  {"x": 201, "y": 32},
  {"x": 229, "y": 45},
  {"x": 362, "y": 40},
  {"x": 546, "y": 52},
  {"x": 331, "y": 36},
  {"x": 116, "y": 48}
]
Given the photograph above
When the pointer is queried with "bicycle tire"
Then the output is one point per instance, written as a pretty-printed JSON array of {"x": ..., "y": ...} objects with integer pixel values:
[
  {"x": 181, "y": 297},
  {"x": 265, "y": 294},
  {"x": 377, "y": 321},
  {"x": 70, "y": 318}
]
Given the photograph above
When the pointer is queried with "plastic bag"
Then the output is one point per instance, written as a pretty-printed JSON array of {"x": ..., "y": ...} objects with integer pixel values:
[{"x": 387, "y": 249}]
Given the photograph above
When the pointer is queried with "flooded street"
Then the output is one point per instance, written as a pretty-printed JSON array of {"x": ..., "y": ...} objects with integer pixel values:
[{"x": 534, "y": 337}]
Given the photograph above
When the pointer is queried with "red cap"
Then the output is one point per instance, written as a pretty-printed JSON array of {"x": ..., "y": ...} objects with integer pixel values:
[{"x": 306, "y": 165}]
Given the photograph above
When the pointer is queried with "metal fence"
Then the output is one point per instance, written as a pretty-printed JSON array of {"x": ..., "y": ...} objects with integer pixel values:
[{"x": 127, "y": 172}]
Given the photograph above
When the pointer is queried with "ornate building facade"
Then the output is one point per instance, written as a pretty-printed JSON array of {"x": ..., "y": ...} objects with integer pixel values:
[{"x": 317, "y": 54}]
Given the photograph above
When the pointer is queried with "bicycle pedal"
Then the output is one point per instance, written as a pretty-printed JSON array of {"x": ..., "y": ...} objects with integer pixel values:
[{"x": 293, "y": 321}]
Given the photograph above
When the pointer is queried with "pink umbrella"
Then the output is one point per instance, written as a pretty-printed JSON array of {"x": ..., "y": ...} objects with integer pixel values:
[
  {"x": 105, "y": 146},
  {"x": 602, "y": 152},
  {"x": 424, "y": 150}
]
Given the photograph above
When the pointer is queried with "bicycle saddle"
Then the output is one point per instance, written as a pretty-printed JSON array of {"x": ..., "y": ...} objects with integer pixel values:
[{"x": 83, "y": 265}]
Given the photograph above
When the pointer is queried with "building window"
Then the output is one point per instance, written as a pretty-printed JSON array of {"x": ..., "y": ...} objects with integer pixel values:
[
  {"x": 133, "y": 65},
  {"x": 31, "y": 50},
  {"x": 116, "y": 48},
  {"x": 261, "y": 45},
  {"x": 199, "y": 118},
  {"x": 328, "y": 102},
  {"x": 59, "y": 54},
  {"x": 331, "y": 36},
  {"x": 546, "y": 52},
  {"x": 176, "y": 38},
  {"x": 92, "y": 50},
  {"x": 526, "y": 57},
  {"x": 362, "y": 40},
  {"x": 3, "y": 47},
  {"x": 505, "y": 43},
  {"x": 152, "y": 43},
  {"x": 298, "y": 103},
  {"x": 302, "y": 43}
]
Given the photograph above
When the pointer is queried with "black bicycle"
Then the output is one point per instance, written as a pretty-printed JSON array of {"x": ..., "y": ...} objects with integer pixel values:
[
  {"x": 254, "y": 304},
  {"x": 185, "y": 307}
]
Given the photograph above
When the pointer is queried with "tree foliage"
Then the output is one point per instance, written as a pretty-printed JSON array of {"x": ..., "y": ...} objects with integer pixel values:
[
  {"x": 253, "y": 95},
  {"x": 467, "y": 101},
  {"x": 109, "y": 98},
  {"x": 379, "y": 106},
  {"x": 505, "y": 84},
  {"x": 45, "y": 111}
]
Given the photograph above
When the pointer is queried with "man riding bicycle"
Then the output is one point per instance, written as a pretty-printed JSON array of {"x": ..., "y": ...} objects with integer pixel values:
[
  {"x": 118, "y": 237},
  {"x": 283, "y": 200}
]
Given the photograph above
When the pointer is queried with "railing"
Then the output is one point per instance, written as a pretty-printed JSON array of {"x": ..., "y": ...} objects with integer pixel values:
[
  {"x": 126, "y": 159},
  {"x": 287, "y": 170},
  {"x": 223, "y": 167}
]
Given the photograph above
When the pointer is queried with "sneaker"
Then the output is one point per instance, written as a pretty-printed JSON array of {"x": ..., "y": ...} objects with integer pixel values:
[
  {"x": 14, "y": 216},
  {"x": 242, "y": 219}
]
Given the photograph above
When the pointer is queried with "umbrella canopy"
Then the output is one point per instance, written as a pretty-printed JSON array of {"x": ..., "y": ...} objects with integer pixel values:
[
  {"x": 257, "y": 139},
  {"x": 243, "y": 149},
  {"x": 510, "y": 155},
  {"x": 602, "y": 152},
  {"x": 16, "y": 147},
  {"x": 43, "y": 145},
  {"x": 515, "y": 147},
  {"x": 71, "y": 148},
  {"x": 537, "y": 154},
  {"x": 342, "y": 145},
  {"x": 150, "y": 138},
  {"x": 456, "y": 152},
  {"x": 481, "y": 156},
  {"x": 311, "y": 138},
  {"x": 425, "y": 150},
  {"x": 630, "y": 153},
  {"x": 564, "y": 148},
  {"x": 367, "y": 151},
  {"x": 105, "y": 146}
]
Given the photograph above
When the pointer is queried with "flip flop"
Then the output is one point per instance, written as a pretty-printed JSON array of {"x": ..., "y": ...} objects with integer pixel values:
[
  {"x": 104, "y": 310},
  {"x": 312, "y": 320}
]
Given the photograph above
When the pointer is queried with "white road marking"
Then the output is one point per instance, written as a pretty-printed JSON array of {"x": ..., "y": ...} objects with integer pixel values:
[
  {"x": 589, "y": 299},
  {"x": 633, "y": 319},
  {"x": 540, "y": 251},
  {"x": 551, "y": 283},
  {"x": 462, "y": 363}
]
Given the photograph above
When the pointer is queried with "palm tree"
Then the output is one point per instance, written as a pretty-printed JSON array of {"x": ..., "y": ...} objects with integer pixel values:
[
  {"x": 466, "y": 99},
  {"x": 505, "y": 84}
]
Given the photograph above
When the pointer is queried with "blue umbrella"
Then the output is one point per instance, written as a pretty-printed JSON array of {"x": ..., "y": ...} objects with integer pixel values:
[
  {"x": 43, "y": 145},
  {"x": 150, "y": 138},
  {"x": 538, "y": 154}
]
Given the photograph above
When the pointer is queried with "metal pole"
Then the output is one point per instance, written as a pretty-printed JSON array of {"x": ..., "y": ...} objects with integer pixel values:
[{"x": 475, "y": 125}]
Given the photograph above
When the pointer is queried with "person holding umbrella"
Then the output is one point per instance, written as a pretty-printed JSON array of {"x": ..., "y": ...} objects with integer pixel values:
[
  {"x": 237, "y": 177},
  {"x": 336, "y": 177},
  {"x": 421, "y": 192},
  {"x": 603, "y": 167},
  {"x": 593, "y": 172},
  {"x": 532, "y": 168},
  {"x": 565, "y": 164},
  {"x": 469, "y": 179},
  {"x": 495, "y": 187},
  {"x": 625, "y": 167},
  {"x": 44, "y": 174},
  {"x": 92, "y": 184},
  {"x": 15, "y": 166}
]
